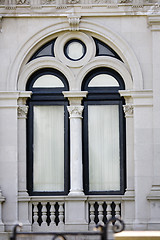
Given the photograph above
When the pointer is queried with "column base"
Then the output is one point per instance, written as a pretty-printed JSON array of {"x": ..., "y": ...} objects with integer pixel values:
[{"x": 76, "y": 193}]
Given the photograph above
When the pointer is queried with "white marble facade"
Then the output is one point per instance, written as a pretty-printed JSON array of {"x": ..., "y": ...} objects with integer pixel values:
[{"x": 132, "y": 30}]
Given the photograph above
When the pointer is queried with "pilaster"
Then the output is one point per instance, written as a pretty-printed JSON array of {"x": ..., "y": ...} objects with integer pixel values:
[
  {"x": 128, "y": 210},
  {"x": 143, "y": 154},
  {"x": 154, "y": 195},
  {"x": 23, "y": 198},
  {"x": 8, "y": 157}
]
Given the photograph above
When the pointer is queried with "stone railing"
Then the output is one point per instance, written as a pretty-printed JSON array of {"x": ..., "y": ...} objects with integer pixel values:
[
  {"x": 67, "y": 3},
  {"x": 48, "y": 213},
  {"x": 101, "y": 209}
]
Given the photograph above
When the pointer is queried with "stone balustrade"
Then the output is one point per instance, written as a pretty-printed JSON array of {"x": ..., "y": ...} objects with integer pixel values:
[
  {"x": 48, "y": 214},
  {"x": 100, "y": 211}
]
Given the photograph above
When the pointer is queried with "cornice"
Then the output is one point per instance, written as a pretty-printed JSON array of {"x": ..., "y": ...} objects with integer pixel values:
[{"x": 39, "y": 8}]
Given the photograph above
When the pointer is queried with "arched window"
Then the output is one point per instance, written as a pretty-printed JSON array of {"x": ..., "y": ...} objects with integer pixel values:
[
  {"x": 103, "y": 133},
  {"x": 47, "y": 134}
]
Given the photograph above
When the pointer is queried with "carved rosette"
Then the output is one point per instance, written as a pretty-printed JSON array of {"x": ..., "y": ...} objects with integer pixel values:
[
  {"x": 22, "y": 111},
  {"x": 75, "y": 111},
  {"x": 128, "y": 110}
]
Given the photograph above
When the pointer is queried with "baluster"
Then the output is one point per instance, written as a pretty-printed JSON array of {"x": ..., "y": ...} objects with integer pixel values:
[
  {"x": 44, "y": 214},
  {"x": 35, "y": 213},
  {"x": 100, "y": 212},
  {"x": 52, "y": 216},
  {"x": 117, "y": 210},
  {"x": 61, "y": 213},
  {"x": 92, "y": 213},
  {"x": 109, "y": 210}
]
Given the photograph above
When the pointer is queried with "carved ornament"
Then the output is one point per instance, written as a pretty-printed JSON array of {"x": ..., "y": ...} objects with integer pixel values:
[
  {"x": 74, "y": 22},
  {"x": 22, "y": 111},
  {"x": 73, "y": 1},
  {"x": 84, "y": 3},
  {"x": 128, "y": 110},
  {"x": 75, "y": 111}
]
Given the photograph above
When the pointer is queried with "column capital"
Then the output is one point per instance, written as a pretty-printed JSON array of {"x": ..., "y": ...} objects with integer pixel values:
[
  {"x": 128, "y": 110},
  {"x": 22, "y": 111},
  {"x": 75, "y": 111},
  {"x": 75, "y": 97}
]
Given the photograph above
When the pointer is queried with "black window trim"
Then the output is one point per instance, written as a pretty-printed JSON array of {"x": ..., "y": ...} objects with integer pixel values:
[
  {"x": 74, "y": 40},
  {"x": 121, "y": 142},
  {"x": 115, "y": 55},
  {"x": 47, "y": 97},
  {"x": 98, "y": 96},
  {"x": 34, "y": 56}
]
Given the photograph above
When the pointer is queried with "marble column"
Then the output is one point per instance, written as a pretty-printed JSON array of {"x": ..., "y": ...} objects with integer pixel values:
[
  {"x": 76, "y": 206},
  {"x": 75, "y": 110}
]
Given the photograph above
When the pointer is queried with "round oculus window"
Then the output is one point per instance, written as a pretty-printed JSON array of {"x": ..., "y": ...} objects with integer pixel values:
[{"x": 74, "y": 49}]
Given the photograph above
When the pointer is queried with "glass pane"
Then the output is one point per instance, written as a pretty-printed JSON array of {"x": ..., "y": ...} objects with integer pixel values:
[
  {"x": 48, "y": 81},
  {"x": 48, "y": 167},
  {"x": 46, "y": 51},
  {"x": 75, "y": 50},
  {"x": 104, "y": 155},
  {"x": 103, "y": 80},
  {"x": 103, "y": 50}
]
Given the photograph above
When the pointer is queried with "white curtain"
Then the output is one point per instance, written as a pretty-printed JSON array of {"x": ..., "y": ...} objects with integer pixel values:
[
  {"x": 48, "y": 167},
  {"x": 104, "y": 155}
]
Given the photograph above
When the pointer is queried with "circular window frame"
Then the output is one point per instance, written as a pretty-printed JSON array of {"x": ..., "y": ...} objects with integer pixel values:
[
  {"x": 63, "y": 39},
  {"x": 74, "y": 41}
]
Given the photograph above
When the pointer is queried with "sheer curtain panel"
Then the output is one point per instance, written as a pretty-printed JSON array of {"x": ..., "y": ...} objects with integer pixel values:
[
  {"x": 104, "y": 153},
  {"x": 48, "y": 168}
]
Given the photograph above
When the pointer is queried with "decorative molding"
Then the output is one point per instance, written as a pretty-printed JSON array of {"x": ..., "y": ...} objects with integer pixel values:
[
  {"x": 73, "y": 1},
  {"x": 128, "y": 110},
  {"x": 154, "y": 193},
  {"x": 75, "y": 111},
  {"x": 21, "y": 2},
  {"x": 154, "y": 23},
  {"x": 0, "y": 24},
  {"x": 47, "y": 2},
  {"x": 74, "y": 22},
  {"x": 35, "y": 3},
  {"x": 22, "y": 111},
  {"x": 11, "y": 4},
  {"x": 75, "y": 97}
]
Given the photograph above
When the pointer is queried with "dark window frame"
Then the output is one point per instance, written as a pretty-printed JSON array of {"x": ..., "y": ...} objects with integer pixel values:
[
  {"x": 104, "y": 96},
  {"x": 74, "y": 40},
  {"x": 47, "y": 97},
  {"x": 115, "y": 55},
  {"x": 52, "y": 42}
]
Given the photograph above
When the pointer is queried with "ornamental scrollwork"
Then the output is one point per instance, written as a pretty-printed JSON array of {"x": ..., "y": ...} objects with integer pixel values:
[
  {"x": 128, "y": 110},
  {"x": 21, "y": 1},
  {"x": 22, "y": 111},
  {"x": 75, "y": 111}
]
